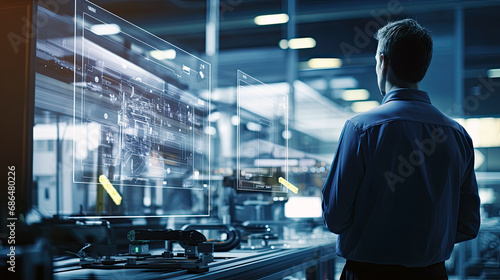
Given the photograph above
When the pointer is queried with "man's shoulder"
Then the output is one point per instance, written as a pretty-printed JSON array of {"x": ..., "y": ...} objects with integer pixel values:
[
  {"x": 388, "y": 113},
  {"x": 376, "y": 116}
]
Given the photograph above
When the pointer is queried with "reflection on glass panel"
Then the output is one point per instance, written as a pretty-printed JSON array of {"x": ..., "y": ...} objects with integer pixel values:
[
  {"x": 119, "y": 127},
  {"x": 262, "y": 151}
]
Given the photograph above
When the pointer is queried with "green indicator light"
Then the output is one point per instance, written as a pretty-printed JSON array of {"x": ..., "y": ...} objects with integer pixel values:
[{"x": 137, "y": 249}]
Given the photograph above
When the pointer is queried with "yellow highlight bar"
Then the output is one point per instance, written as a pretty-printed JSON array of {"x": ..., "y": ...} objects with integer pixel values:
[
  {"x": 287, "y": 184},
  {"x": 117, "y": 198}
]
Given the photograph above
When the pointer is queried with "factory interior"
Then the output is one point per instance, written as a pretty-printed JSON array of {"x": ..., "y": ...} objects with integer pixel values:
[{"x": 191, "y": 139}]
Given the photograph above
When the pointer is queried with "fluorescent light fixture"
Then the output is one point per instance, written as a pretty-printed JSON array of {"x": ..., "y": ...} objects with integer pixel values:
[
  {"x": 302, "y": 43},
  {"x": 162, "y": 55},
  {"x": 284, "y": 44},
  {"x": 210, "y": 130},
  {"x": 298, "y": 43},
  {"x": 105, "y": 29},
  {"x": 235, "y": 120},
  {"x": 355, "y": 94},
  {"x": 487, "y": 195},
  {"x": 485, "y": 132},
  {"x": 494, "y": 73},
  {"x": 254, "y": 126},
  {"x": 271, "y": 19},
  {"x": 324, "y": 63},
  {"x": 286, "y": 134},
  {"x": 362, "y": 106}
]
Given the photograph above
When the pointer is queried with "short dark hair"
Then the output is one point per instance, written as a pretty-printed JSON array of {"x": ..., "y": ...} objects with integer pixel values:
[{"x": 408, "y": 48}]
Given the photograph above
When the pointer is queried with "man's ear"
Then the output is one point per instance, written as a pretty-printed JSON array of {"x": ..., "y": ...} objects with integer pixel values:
[{"x": 384, "y": 65}]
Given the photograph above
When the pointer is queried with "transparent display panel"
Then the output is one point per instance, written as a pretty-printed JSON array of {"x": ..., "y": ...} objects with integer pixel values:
[
  {"x": 262, "y": 149},
  {"x": 134, "y": 118}
]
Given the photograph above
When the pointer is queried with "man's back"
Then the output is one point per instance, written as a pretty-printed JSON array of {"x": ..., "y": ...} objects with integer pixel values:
[{"x": 402, "y": 171}]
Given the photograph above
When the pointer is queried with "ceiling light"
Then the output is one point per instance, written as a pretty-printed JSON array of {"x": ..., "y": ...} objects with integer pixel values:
[
  {"x": 162, "y": 55},
  {"x": 487, "y": 195},
  {"x": 485, "y": 132},
  {"x": 324, "y": 63},
  {"x": 235, "y": 120},
  {"x": 363, "y": 106},
  {"x": 284, "y": 44},
  {"x": 493, "y": 73},
  {"x": 344, "y": 82},
  {"x": 254, "y": 126},
  {"x": 301, "y": 43},
  {"x": 271, "y": 19},
  {"x": 286, "y": 134},
  {"x": 355, "y": 94},
  {"x": 298, "y": 43},
  {"x": 210, "y": 130},
  {"x": 105, "y": 29}
]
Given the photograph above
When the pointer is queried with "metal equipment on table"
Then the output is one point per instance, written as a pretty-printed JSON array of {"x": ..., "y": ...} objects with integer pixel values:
[{"x": 195, "y": 258}]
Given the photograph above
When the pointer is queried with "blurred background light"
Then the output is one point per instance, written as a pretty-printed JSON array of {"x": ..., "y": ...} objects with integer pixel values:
[
  {"x": 235, "y": 120},
  {"x": 105, "y": 29},
  {"x": 162, "y": 55},
  {"x": 363, "y": 106},
  {"x": 298, "y": 43},
  {"x": 493, "y": 73},
  {"x": 271, "y": 19},
  {"x": 323, "y": 63},
  {"x": 485, "y": 132},
  {"x": 355, "y": 94}
]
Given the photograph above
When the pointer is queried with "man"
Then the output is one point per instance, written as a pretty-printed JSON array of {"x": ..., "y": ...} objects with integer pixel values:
[{"x": 401, "y": 189}]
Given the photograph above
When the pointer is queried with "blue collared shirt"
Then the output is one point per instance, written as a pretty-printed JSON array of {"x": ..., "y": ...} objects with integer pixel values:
[{"x": 402, "y": 188}]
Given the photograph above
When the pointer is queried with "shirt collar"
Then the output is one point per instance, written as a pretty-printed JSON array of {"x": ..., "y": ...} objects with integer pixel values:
[{"x": 407, "y": 94}]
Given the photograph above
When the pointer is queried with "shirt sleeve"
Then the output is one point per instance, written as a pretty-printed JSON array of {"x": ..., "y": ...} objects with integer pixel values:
[
  {"x": 345, "y": 177},
  {"x": 468, "y": 212}
]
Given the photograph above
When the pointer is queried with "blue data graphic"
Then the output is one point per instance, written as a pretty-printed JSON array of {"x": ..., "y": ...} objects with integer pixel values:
[
  {"x": 138, "y": 116},
  {"x": 262, "y": 151}
]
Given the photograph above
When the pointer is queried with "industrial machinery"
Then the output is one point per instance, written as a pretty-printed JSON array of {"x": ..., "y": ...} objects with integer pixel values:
[{"x": 198, "y": 253}]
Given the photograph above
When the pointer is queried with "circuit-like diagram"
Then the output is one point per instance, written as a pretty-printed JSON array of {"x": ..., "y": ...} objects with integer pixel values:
[{"x": 148, "y": 129}]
